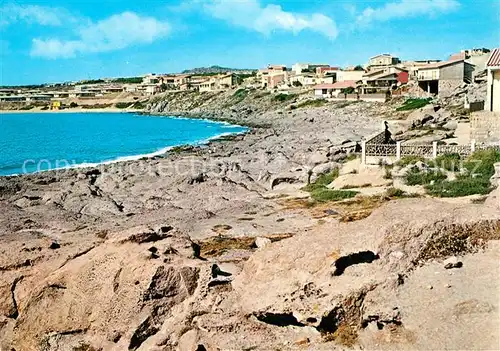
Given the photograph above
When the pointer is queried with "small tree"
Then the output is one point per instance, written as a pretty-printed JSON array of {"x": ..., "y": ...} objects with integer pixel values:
[
  {"x": 348, "y": 90},
  {"x": 297, "y": 83}
]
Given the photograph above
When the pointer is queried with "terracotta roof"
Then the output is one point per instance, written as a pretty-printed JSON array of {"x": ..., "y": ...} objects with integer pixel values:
[
  {"x": 337, "y": 85},
  {"x": 459, "y": 56},
  {"x": 440, "y": 64},
  {"x": 494, "y": 58}
]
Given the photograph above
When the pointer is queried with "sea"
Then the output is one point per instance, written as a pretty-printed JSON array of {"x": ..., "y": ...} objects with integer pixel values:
[{"x": 36, "y": 142}]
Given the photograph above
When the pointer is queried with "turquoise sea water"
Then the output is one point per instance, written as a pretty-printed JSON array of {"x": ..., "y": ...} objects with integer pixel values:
[{"x": 31, "y": 142}]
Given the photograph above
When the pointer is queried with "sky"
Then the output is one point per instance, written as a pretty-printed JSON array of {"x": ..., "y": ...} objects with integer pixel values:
[{"x": 49, "y": 41}]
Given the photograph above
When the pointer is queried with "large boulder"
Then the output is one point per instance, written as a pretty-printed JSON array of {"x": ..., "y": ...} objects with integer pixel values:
[
  {"x": 113, "y": 296},
  {"x": 323, "y": 279}
]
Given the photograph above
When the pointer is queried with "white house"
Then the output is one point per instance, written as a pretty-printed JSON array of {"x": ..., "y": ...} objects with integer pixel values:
[
  {"x": 304, "y": 79},
  {"x": 492, "y": 102},
  {"x": 348, "y": 75},
  {"x": 333, "y": 90}
]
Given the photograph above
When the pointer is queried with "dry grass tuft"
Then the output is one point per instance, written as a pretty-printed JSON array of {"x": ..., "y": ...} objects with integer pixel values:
[
  {"x": 460, "y": 238},
  {"x": 346, "y": 335},
  {"x": 218, "y": 245}
]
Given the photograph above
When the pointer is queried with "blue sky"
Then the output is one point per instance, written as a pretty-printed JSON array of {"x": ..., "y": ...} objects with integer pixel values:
[{"x": 54, "y": 41}]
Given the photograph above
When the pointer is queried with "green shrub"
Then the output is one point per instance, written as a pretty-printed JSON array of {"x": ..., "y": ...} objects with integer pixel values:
[
  {"x": 240, "y": 95},
  {"x": 350, "y": 157},
  {"x": 479, "y": 167},
  {"x": 324, "y": 194},
  {"x": 412, "y": 104},
  {"x": 123, "y": 104},
  {"x": 462, "y": 186},
  {"x": 395, "y": 192},
  {"x": 348, "y": 90},
  {"x": 284, "y": 97},
  {"x": 419, "y": 177},
  {"x": 481, "y": 163},
  {"x": 73, "y": 104},
  {"x": 409, "y": 160},
  {"x": 450, "y": 162},
  {"x": 138, "y": 105},
  {"x": 322, "y": 181},
  {"x": 388, "y": 173},
  {"x": 128, "y": 80}
]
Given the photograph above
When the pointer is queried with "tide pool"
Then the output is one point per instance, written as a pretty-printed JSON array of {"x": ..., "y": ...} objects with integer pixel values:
[{"x": 32, "y": 142}]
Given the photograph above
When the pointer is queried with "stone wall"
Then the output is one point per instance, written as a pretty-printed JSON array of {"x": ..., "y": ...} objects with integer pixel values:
[
  {"x": 485, "y": 127},
  {"x": 452, "y": 72}
]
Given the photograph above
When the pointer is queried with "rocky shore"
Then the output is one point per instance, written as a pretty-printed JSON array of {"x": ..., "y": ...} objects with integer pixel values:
[{"x": 217, "y": 247}]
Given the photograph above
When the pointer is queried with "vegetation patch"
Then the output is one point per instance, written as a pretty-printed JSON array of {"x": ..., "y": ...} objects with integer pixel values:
[
  {"x": 412, "y": 104},
  {"x": 462, "y": 186},
  {"x": 218, "y": 245},
  {"x": 240, "y": 94},
  {"x": 123, "y": 104},
  {"x": 180, "y": 148},
  {"x": 450, "y": 162},
  {"x": 139, "y": 105},
  {"x": 324, "y": 194},
  {"x": 409, "y": 160},
  {"x": 350, "y": 157},
  {"x": 128, "y": 80},
  {"x": 262, "y": 94},
  {"x": 322, "y": 181},
  {"x": 474, "y": 178},
  {"x": 311, "y": 103},
  {"x": 424, "y": 177},
  {"x": 95, "y": 106},
  {"x": 459, "y": 238},
  {"x": 284, "y": 97}
]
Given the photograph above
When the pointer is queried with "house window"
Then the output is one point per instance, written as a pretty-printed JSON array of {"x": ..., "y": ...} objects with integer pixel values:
[{"x": 324, "y": 91}]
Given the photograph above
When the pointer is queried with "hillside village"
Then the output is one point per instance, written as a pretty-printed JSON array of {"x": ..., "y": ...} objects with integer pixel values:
[{"x": 383, "y": 76}]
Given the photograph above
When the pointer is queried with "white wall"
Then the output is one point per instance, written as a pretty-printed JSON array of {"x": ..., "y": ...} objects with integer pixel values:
[
  {"x": 349, "y": 75},
  {"x": 493, "y": 83}
]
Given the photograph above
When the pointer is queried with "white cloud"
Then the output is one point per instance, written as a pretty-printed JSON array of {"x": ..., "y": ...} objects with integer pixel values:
[
  {"x": 113, "y": 33},
  {"x": 252, "y": 15},
  {"x": 405, "y": 9},
  {"x": 32, "y": 14}
]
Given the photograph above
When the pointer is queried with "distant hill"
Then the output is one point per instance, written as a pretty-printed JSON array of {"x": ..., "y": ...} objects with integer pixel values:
[{"x": 216, "y": 70}]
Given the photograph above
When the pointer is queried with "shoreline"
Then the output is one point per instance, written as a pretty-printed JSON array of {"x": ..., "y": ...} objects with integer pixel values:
[
  {"x": 163, "y": 151},
  {"x": 177, "y": 114},
  {"x": 75, "y": 110}
]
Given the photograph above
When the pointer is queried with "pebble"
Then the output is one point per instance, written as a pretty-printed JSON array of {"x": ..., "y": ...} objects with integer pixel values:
[
  {"x": 262, "y": 242},
  {"x": 430, "y": 287},
  {"x": 452, "y": 262}
]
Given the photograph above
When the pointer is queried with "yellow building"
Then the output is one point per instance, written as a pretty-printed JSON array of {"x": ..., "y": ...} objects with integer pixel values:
[{"x": 56, "y": 105}]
